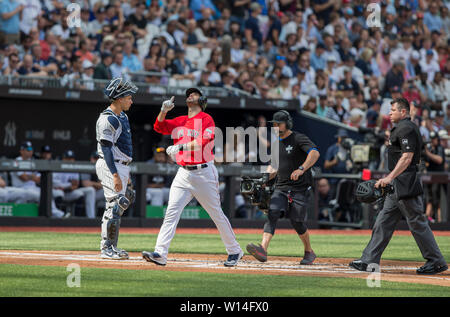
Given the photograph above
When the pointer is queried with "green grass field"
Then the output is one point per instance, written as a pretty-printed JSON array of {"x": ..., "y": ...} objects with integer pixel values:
[{"x": 19, "y": 280}]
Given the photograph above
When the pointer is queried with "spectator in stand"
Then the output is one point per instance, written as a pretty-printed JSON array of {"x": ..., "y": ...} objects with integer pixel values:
[
  {"x": 204, "y": 10},
  {"x": 252, "y": 28},
  {"x": 130, "y": 59},
  {"x": 394, "y": 78},
  {"x": 432, "y": 19},
  {"x": 29, "y": 68},
  {"x": 103, "y": 70},
  {"x": 13, "y": 65},
  {"x": 337, "y": 111},
  {"x": 310, "y": 106},
  {"x": 117, "y": 67},
  {"x": 10, "y": 11},
  {"x": 429, "y": 65},
  {"x": 83, "y": 51}
]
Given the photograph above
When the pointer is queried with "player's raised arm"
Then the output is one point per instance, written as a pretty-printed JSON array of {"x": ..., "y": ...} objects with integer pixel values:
[{"x": 163, "y": 125}]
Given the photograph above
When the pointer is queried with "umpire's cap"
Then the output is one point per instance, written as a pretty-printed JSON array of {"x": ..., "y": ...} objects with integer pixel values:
[{"x": 119, "y": 88}]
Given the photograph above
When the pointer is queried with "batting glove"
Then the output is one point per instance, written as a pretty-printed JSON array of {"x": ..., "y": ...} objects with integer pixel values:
[
  {"x": 174, "y": 149},
  {"x": 168, "y": 105}
]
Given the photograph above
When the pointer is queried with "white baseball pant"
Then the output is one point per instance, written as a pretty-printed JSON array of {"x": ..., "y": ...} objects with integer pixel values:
[
  {"x": 203, "y": 184},
  {"x": 106, "y": 178}
]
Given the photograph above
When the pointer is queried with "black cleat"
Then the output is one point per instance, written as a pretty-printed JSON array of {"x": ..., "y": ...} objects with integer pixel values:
[
  {"x": 430, "y": 269},
  {"x": 358, "y": 265}
]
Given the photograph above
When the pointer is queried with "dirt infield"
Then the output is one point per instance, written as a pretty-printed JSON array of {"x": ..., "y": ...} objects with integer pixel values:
[{"x": 394, "y": 271}]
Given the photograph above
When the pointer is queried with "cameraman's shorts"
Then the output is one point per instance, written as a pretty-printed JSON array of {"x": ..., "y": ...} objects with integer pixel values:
[{"x": 291, "y": 205}]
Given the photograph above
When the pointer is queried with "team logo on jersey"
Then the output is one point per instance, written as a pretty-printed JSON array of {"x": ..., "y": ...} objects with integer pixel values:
[
  {"x": 107, "y": 132},
  {"x": 289, "y": 149},
  {"x": 404, "y": 141}
]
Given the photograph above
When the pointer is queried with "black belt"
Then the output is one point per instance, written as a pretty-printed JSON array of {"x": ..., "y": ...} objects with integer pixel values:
[
  {"x": 194, "y": 167},
  {"x": 126, "y": 163}
]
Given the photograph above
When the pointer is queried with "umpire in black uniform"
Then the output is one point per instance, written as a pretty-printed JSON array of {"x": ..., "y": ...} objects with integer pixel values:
[
  {"x": 404, "y": 150},
  {"x": 297, "y": 154}
]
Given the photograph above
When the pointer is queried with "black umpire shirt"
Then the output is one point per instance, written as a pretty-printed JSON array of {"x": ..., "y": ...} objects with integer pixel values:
[
  {"x": 293, "y": 152},
  {"x": 405, "y": 137}
]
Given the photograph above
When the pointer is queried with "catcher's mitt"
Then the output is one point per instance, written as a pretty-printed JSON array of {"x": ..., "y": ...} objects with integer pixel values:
[{"x": 366, "y": 192}]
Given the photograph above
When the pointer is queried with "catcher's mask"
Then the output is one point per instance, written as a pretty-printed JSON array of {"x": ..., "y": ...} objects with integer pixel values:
[
  {"x": 202, "y": 100},
  {"x": 366, "y": 192},
  {"x": 119, "y": 88}
]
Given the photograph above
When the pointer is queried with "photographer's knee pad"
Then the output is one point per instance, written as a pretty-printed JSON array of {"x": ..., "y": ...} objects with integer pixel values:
[
  {"x": 272, "y": 219},
  {"x": 299, "y": 226}
]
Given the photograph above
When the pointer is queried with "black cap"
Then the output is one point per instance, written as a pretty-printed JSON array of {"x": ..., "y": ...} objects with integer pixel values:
[
  {"x": 27, "y": 145},
  {"x": 46, "y": 149},
  {"x": 69, "y": 154},
  {"x": 191, "y": 90},
  {"x": 280, "y": 116}
]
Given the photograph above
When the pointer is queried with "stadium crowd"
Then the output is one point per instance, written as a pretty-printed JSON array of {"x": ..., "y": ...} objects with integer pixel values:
[
  {"x": 331, "y": 55},
  {"x": 334, "y": 56}
]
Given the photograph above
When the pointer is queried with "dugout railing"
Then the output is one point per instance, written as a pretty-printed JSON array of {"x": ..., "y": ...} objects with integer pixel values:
[{"x": 140, "y": 172}]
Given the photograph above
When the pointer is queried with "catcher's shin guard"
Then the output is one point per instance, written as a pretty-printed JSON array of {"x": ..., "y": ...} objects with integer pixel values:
[{"x": 111, "y": 221}]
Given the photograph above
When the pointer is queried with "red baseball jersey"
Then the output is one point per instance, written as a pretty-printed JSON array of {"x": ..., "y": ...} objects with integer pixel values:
[{"x": 184, "y": 130}]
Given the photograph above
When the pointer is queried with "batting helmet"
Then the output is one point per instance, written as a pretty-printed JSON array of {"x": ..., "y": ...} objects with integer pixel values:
[
  {"x": 283, "y": 116},
  {"x": 366, "y": 192},
  {"x": 119, "y": 88},
  {"x": 202, "y": 100}
]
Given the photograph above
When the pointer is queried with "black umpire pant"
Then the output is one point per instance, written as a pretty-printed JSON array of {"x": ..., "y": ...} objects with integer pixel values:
[{"x": 389, "y": 216}]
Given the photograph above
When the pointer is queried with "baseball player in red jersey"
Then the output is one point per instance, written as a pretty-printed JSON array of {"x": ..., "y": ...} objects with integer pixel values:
[{"x": 197, "y": 176}]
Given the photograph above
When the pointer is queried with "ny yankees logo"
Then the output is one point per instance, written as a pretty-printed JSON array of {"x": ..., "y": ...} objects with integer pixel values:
[{"x": 289, "y": 149}]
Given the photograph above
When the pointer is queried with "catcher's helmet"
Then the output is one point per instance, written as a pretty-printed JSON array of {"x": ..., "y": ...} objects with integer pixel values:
[
  {"x": 202, "y": 100},
  {"x": 366, "y": 192},
  {"x": 283, "y": 116},
  {"x": 119, "y": 88}
]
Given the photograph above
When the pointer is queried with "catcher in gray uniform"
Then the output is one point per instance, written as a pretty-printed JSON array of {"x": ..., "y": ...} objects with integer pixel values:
[{"x": 115, "y": 154}]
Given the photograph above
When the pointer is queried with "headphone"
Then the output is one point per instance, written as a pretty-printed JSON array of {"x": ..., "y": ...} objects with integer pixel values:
[
  {"x": 289, "y": 122},
  {"x": 202, "y": 102}
]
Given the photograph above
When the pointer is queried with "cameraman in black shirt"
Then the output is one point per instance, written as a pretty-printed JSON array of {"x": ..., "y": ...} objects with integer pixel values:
[
  {"x": 435, "y": 157},
  {"x": 404, "y": 151},
  {"x": 297, "y": 154}
]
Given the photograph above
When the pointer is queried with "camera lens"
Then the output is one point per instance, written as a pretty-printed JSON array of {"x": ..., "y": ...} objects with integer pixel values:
[{"x": 247, "y": 186}]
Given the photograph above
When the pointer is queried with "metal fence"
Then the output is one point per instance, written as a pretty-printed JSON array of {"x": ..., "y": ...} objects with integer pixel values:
[
  {"x": 174, "y": 88},
  {"x": 141, "y": 171}
]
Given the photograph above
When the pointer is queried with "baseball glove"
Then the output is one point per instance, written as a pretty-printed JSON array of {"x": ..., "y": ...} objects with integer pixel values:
[
  {"x": 366, "y": 192},
  {"x": 130, "y": 193}
]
